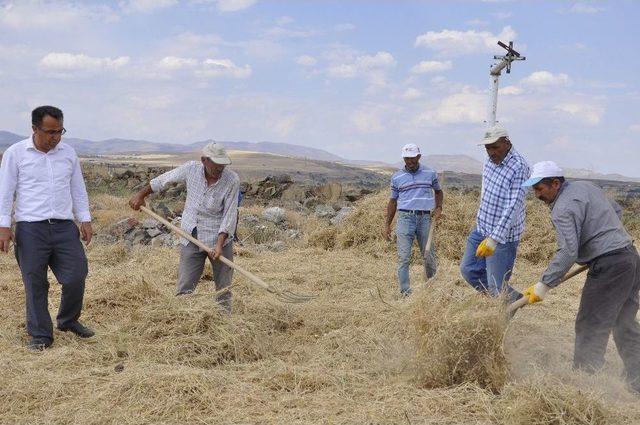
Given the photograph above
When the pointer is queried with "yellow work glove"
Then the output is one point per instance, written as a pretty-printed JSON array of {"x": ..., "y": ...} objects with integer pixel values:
[
  {"x": 536, "y": 293},
  {"x": 486, "y": 248}
]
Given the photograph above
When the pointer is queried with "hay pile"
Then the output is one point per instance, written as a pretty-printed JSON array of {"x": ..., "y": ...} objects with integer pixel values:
[
  {"x": 459, "y": 340},
  {"x": 545, "y": 400}
]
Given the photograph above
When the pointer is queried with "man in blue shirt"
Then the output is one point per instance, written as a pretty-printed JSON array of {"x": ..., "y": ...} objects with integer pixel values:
[
  {"x": 417, "y": 196},
  {"x": 492, "y": 245}
]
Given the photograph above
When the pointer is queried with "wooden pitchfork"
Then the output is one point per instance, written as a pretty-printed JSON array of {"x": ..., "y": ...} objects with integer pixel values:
[
  {"x": 284, "y": 296},
  {"x": 525, "y": 300}
]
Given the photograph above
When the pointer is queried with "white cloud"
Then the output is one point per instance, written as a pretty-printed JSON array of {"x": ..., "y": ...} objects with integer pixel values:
[
  {"x": 306, "y": 60},
  {"x": 234, "y": 5},
  {"x": 50, "y": 15},
  {"x": 146, "y": 6},
  {"x": 68, "y": 62},
  {"x": 367, "y": 121},
  {"x": 456, "y": 43},
  {"x": 223, "y": 68},
  {"x": 634, "y": 128},
  {"x": 344, "y": 27},
  {"x": 431, "y": 66},
  {"x": 411, "y": 94},
  {"x": 459, "y": 108},
  {"x": 511, "y": 90},
  {"x": 172, "y": 63},
  {"x": 585, "y": 8},
  {"x": 546, "y": 78},
  {"x": 583, "y": 112},
  {"x": 362, "y": 65}
]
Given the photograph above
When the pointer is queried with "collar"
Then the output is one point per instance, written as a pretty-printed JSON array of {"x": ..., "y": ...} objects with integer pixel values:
[
  {"x": 562, "y": 188},
  {"x": 506, "y": 158},
  {"x": 32, "y": 146},
  {"x": 413, "y": 172}
]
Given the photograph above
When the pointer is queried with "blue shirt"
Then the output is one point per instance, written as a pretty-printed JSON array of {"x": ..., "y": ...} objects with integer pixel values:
[
  {"x": 501, "y": 213},
  {"x": 414, "y": 191}
]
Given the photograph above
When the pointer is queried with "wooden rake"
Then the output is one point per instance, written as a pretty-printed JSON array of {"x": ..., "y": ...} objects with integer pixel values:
[
  {"x": 525, "y": 300},
  {"x": 284, "y": 296}
]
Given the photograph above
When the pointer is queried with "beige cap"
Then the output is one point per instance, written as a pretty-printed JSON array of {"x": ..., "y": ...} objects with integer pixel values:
[
  {"x": 493, "y": 134},
  {"x": 217, "y": 153}
]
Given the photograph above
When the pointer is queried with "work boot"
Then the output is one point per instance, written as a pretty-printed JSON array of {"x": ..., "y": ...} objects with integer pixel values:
[
  {"x": 36, "y": 345},
  {"x": 79, "y": 329}
]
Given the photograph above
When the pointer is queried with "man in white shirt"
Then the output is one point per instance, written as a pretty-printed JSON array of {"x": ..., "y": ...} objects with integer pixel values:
[
  {"x": 44, "y": 176},
  {"x": 210, "y": 214}
]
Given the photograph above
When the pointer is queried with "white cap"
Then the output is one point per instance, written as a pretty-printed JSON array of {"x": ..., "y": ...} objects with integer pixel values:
[
  {"x": 410, "y": 150},
  {"x": 493, "y": 134},
  {"x": 543, "y": 170},
  {"x": 217, "y": 153}
]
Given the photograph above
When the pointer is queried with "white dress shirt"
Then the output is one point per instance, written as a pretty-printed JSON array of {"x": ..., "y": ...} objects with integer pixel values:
[{"x": 45, "y": 185}]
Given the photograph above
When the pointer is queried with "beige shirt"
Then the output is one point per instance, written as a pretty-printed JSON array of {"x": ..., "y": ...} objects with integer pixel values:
[{"x": 211, "y": 209}]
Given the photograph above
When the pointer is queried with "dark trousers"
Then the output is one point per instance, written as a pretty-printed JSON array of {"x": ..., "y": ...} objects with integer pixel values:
[
  {"x": 192, "y": 261},
  {"x": 40, "y": 245},
  {"x": 609, "y": 304}
]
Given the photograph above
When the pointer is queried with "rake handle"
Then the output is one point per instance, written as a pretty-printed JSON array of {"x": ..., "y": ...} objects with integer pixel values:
[
  {"x": 253, "y": 278},
  {"x": 432, "y": 226},
  {"x": 525, "y": 300}
]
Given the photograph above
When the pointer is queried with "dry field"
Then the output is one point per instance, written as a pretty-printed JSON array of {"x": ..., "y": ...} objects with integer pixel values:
[{"x": 356, "y": 355}]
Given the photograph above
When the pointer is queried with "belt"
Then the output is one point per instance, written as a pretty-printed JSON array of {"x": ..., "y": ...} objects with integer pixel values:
[
  {"x": 417, "y": 212},
  {"x": 613, "y": 252},
  {"x": 52, "y": 221}
]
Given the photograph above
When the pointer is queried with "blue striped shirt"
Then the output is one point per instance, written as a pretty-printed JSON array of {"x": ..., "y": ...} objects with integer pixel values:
[
  {"x": 501, "y": 213},
  {"x": 414, "y": 191}
]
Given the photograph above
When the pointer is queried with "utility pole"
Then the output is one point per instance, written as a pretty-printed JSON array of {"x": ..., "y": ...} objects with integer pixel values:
[{"x": 505, "y": 62}]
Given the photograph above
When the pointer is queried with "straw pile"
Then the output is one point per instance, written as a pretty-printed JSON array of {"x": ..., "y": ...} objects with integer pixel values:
[{"x": 459, "y": 341}]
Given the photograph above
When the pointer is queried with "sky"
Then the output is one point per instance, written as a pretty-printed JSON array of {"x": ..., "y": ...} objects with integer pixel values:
[{"x": 356, "y": 78}]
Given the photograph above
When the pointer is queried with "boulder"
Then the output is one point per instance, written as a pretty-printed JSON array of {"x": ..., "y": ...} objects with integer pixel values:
[
  {"x": 123, "y": 226},
  {"x": 275, "y": 215},
  {"x": 341, "y": 215},
  {"x": 324, "y": 211}
]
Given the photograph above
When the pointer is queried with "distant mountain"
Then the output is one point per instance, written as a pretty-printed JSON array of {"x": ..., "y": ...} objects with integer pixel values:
[
  {"x": 440, "y": 163},
  {"x": 456, "y": 163},
  {"x": 125, "y": 146},
  {"x": 7, "y": 139}
]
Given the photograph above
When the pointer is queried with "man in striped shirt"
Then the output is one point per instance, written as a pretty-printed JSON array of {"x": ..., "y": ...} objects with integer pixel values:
[
  {"x": 589, "y": 231},
  {"x": 210, "y": 215},
  {"x": 492, "y": 245},
  {"x": 417, "y": 196}
]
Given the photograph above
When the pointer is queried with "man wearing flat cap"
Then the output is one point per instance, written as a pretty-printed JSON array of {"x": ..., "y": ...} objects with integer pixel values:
[
  {"x": 491, "y": 247},
  {"x": 589, "y": 231},
  {"x": 210, "y": 215},
  {"x": 417, "y": 196}
]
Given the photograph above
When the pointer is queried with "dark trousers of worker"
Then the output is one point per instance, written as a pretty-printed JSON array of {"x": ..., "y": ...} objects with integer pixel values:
[
  {"x": 609, "y": 304},
  {"x": 192, "y": 261},
  {"x": 40, "y": 245}
]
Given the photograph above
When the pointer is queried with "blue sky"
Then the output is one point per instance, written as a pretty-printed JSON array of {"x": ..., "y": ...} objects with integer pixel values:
[{"x": 357, "y": 78}]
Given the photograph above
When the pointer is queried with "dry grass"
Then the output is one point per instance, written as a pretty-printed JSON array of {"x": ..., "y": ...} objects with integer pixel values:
[{"x": 357, "y": 354}]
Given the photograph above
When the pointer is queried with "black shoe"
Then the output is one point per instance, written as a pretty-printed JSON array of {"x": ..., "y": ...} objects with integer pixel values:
[
  {"x": 38, "y": 344},
  {"x": 78, "y": 329}
]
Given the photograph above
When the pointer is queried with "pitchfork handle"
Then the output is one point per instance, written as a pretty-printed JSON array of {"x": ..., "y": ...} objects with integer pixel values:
[{"x": 255, "y": 279}]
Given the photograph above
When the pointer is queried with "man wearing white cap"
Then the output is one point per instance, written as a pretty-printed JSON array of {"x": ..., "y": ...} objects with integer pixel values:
[
  {"x": 417, "y": 196},
  {"x": 492, "y": 245},
  {"x": 210, "y": 214},
  {"x": 589, "y": 231}
]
